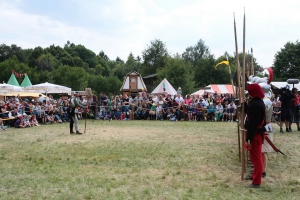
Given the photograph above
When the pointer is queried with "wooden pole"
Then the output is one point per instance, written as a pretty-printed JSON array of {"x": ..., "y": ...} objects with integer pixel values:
[
  {"x": 252, "y": 63},
  {"x": 242, "y": 92},
  {"x": 238, "y": 81},
  {"x": 239, "y": 94}
]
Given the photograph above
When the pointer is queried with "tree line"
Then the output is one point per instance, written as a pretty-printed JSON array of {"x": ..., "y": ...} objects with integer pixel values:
[{"x": 77, "y": 67}]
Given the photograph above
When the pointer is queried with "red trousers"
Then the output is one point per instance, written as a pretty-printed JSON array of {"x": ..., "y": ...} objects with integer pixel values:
[{"x": 256, "y": 159}]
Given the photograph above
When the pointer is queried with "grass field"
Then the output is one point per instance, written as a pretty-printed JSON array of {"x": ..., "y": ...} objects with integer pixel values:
[{"x": 139, "y": 160}]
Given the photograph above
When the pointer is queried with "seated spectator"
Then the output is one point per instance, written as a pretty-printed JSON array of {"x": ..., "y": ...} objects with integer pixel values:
[
  {"x": 34, "y": 121},
  {"x": 218, "y": 99},
  {"x": 211, "y": 109},
  {"x": 97, "y": 116},
  {"x": 20, "y": 122},
  {"x": 152, "y": 112},
  {"x": 225, "y": 116},
  {"x": 119, "y": 111},
  {"x": 56, "y": 114},
  {"x": 114, "y": 110},
  {"x": 190, "y": 109},
  {"x": 194, "y": 111},
  {"x": 172, "y": 115},
  {"x": 27, "y": 119},
  {"x": 145, "y": 110},
  {"x": 199, "y": 112},
  {"x": 3, "y": 111},
  {"x": 219, "y": 111},
  {"x": 232, "y": 111},
  {"x": 139, "y": 113},
  {"x": 160, "y": 116}
]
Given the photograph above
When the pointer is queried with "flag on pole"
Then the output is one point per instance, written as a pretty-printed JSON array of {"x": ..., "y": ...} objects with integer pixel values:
[{"x": 225, "y": 62}]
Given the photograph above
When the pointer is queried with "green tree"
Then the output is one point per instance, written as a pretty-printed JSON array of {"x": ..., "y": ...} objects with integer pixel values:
[
  {"x": 46, "y": 62},
  {"x": 178, "y": 73},
  {"x": 7, "y": 52},
  {"x": 86, "y": 55},
  {"x": 13, "y": 63},
  {"x": 73, "y": 77},
  {"x": 287, "y": 62},
  {"x": 37, "y": 52},
  {"x": 194, "y": 53},
  {"x": 154, "y": 57},
  {"x": 109, "y": 85},
  {"x": 202, "y": 62}
]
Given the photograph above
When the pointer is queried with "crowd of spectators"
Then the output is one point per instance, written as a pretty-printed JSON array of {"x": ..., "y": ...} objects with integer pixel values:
[
  {"x": 31, "y": 112},
  {"x": 209, "y": 107}
]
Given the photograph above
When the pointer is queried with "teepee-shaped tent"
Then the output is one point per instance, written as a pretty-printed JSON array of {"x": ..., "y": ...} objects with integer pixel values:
[
  {"x": 12, "y": 80},
  {"x": 164, "y": 86},
  {"x": 26, "y": 82}
]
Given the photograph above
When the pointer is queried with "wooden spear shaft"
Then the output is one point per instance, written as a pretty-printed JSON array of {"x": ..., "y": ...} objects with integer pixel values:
[
  {"x": 238, "y": 80},
  {"x": 252, "y": 63},
  {"x": 243, "y": 94}
]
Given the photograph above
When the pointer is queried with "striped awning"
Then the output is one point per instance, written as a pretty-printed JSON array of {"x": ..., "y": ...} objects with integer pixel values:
[{"x": 219, "y": 88}]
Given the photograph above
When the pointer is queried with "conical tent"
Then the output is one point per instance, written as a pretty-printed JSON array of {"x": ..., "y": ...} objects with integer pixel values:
[
  {"x": 164, "y": 86},
  {"x": 12, "y": 80},
  {"x": 26, "y": 82}
]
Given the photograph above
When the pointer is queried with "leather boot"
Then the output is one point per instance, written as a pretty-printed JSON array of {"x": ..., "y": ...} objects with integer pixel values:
[{"x": 78, "y": 133}]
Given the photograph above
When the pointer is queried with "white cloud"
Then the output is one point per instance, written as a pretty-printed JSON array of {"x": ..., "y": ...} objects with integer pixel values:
[{"x": 121, "y": 27}]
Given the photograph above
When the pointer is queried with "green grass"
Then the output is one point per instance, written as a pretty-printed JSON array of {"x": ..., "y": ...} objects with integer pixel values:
[{"x": 139, "y": 160}]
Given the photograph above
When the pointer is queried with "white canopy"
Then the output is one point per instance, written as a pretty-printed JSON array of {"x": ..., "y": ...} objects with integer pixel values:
[
  {"x": 48, "y": 88},
  {"x": 4, "y": 88},
  {"x": 283, "y": 84},
  {"x": 164, "y": 86}
]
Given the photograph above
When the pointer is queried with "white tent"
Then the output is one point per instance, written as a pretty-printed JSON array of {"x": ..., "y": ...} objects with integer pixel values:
[
  {"x": 283, "y": 84},
  {"x": 164, "y": 86},
  {"x": 48, "y": 88},
  {"x": 4, "y": 88}
]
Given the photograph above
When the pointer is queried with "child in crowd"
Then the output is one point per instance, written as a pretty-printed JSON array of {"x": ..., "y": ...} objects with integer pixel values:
[
  {"x": 152, "y": 112},
  {"x": 172, "y": 115},
  {"x": 34, "y": 121},
  {"x": 20, "y": 122},
  {"x": 160, "y": 115},
  {"x": 26, "y": 119},
  {"x": 2, "y": 127},
  {"x": 190, "y": 111}
]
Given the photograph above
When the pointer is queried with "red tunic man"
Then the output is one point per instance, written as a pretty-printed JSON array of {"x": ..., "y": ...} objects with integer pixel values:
[{"x": 254, "y": 125}]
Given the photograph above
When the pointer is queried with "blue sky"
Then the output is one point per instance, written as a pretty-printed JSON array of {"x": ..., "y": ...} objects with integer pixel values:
[{"x": 121, "y": 27}]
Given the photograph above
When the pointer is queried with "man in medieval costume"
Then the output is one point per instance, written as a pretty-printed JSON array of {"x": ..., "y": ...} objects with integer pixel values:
[
  {"x": 73, "y": 110},
  {"x": 266, "y": 148},
  {"x": 254, "y": 124}
]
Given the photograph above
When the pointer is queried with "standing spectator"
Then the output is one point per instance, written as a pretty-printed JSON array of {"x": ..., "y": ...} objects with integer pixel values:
[
  {"x": 41, "y": 98},
  {"x": 179, "y": 99},
  {"x": 295, "y": 109},
  {"x": 179, "y": 91},
  {"x": 286, "y": 101}
]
